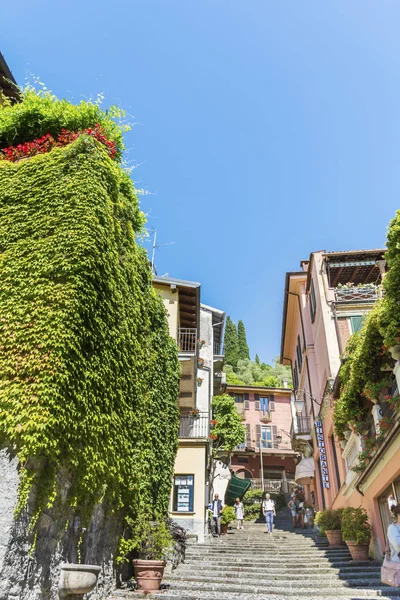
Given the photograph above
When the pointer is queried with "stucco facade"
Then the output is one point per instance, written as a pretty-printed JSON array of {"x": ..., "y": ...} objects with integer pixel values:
[
  {"x": 267, "y": 456},
  {"x": 324, "y": 304}
]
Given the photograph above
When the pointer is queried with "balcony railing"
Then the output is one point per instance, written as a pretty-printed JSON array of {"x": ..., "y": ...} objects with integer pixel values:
[
  {"x": 218, "y": 349},
  {"x": 356, "y": 294},
  {"x": 194, "y": 426},
  {"x": 187, "y": 339},
  {"x": 301, "y": 425},
  {"x": 274, "y": 445},
  {"x": 272, "y": 486}
]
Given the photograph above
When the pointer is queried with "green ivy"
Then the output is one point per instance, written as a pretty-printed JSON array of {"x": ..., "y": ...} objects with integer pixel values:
[
  {"x": 89, "y": 375},
  {"x": 390, "y": 321},
  {"x": 360, "y": 368},
  {"x": 228, "y": 431}
]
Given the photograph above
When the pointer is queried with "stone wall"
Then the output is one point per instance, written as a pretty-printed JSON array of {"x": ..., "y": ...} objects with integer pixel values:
[{"x": 31, "y": 571}]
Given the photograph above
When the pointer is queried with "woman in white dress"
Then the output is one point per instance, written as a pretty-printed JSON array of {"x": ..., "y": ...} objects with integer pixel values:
[
  {"x": 239, "y": 510},
  {"x": 394, "y": 535}
]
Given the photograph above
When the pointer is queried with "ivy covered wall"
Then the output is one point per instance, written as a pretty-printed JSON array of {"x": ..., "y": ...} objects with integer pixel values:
[{"x": 88, "y": 372}]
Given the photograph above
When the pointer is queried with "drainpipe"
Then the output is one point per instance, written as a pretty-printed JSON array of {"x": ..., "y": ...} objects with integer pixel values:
[
  {"x": 339, "y": 339},
  {"x": 304, "y": 344},
  {"x": 209, "y": 459}
]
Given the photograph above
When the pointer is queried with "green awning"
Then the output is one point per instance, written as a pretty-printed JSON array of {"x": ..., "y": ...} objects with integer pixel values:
[{"x": 236, "y": 489}]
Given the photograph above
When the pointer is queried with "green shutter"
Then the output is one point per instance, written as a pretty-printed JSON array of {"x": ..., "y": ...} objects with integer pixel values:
[{"x": 356, "y": 323}]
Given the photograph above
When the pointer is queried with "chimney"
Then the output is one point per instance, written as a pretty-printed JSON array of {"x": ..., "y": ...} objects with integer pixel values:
[{"x": 285, "y": 383}]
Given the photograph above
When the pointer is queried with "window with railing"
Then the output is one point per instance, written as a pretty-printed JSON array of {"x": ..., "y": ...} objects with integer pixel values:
[
  {"x": 266, "y": 437},
  {"x": 357, "y": 293},
  {"x": 187, "y": 338},
  {"x": 194, "y": 425}
]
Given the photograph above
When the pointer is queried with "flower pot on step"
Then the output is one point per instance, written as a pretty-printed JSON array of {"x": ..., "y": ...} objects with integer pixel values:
[
  {"x": 149, "y": 574},
  {"x": 224, "y": 528},
  {"x": 77, "y": 580},
  {"x": 359, "y": 552},
  {"x": 334, "y": 537}
]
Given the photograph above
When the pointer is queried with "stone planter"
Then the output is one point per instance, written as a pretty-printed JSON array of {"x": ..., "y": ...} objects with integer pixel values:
[
  {"x": 342, "y": 444},
  {"x": 359, "y": 552},
  {"x": 395, "y": 351},
  {"x": 77, "y": 580},
  {"x": 347, "y": 434},
  {"x": 149, "y": 574},
  {"x": 334, "y": 537}
]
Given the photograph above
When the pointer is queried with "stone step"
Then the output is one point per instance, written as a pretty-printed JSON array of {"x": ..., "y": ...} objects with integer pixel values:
[
  {"x": 285, "y": 590},
  {"x": 207, "y": 595},
  {"x": 238, "y": 571},
  {"x": 263, "y": 579},
  {"x": 271, "y": 550},
  {"x": 273, "y": 562}
]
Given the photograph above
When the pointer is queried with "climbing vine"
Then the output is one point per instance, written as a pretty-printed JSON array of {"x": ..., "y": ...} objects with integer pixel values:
[
  {"x": 390, "y": 319},
  {"x": 88, "y": 372}
]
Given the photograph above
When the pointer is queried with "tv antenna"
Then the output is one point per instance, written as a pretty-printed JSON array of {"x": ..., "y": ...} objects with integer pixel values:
[{"x": 156, "y": 247}]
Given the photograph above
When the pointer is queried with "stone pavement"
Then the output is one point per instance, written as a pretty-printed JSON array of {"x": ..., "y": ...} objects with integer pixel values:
[{"x": 287, "y": 565}]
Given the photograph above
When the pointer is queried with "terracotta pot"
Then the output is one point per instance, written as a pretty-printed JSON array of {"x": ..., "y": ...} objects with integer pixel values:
[
  {"x": 224, "y": 528},
  {"x": 334, "y": 537},
  {"x": 358, "y": 551},
  {"x": 149, "y": 574}
]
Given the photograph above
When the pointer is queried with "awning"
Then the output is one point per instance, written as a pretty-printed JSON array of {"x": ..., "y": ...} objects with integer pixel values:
[
  {"x": 305, "y": 470},
  {"x": 237, "y": 488}
]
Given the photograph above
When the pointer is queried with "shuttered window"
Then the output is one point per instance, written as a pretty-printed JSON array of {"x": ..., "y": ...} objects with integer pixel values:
[
  {"x": 271, "y": 403},
  {"x": 248, "y": 435},
  {"x": 295, "y": 376},
  {"x": 246, "y": 401},
  {"x": 312, "y": 301},
  {"x": 356, "y": 323},
  {"x": 299, "y": 354},
  {"x": 257, "y": 401}
]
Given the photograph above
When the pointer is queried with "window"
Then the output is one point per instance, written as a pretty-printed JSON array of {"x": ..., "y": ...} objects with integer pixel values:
[
  {"x": 313, "y": 302},
  {"x": 264, "y": 404},
  {"x": 335, "y": 461},
  {"x": 266, "y": 437},
  {"x": 183, "y": 493},
  {"x": 356, "y": 323},
  {"x": 295, "y": 376},
  {"x": 299, "y": 353},
  {"x": 239, "y": 398}
]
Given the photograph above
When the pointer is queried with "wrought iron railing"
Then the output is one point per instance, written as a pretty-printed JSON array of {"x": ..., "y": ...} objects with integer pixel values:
[
  {"x": 301, "y": 425},
  {"x": 218, "y": 349},
  {"x": 356, "y": 294},
  {"x": 194, "y": 425},
  {"x": 187, "y": 339}
]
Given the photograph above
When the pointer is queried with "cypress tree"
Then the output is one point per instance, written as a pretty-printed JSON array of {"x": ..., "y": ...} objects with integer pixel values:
[
  {"x": 231, "y": 343},
  {"x": 243, "y": 347},
  {"x": 257, "y": 359}
]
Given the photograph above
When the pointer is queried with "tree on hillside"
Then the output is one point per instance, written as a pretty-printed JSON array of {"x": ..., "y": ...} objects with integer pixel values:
[
  {"x": 248, "y": 372},
  {"x": 243, "y": 346},
  {"x": 257, "y": 359},
  {"x": 231, "y": 343}
]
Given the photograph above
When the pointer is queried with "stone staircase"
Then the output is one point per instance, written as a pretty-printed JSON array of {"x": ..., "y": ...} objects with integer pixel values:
[{"x": 289, "y": 564}]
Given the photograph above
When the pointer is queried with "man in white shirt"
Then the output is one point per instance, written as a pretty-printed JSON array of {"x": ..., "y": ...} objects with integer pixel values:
[
  {"x": 216, "y": 516},
  {"x": 268, "y": 508}
]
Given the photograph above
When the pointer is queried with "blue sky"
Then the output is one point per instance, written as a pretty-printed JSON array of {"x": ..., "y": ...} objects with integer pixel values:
[{"x": 264, "y": 129}]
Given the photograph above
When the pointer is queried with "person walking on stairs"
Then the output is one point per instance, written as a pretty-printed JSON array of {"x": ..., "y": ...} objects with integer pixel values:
[
  {"x": 216, "y": 516},
  {"x": 293, "y": 509},
  {"x": 268, "y": 508},
  {"x": 239, "y": 510}
]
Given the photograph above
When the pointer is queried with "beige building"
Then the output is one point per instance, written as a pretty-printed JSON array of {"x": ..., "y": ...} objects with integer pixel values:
[{"x": 197, "y": 329}]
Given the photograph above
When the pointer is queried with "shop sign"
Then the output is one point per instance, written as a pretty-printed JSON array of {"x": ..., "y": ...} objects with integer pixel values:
[{"x": 322, "y": 454}]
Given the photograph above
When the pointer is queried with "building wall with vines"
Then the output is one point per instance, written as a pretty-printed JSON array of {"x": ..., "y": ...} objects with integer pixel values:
[{"x": 88, "y": 372}]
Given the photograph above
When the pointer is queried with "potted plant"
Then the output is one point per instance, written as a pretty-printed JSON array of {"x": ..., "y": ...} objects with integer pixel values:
[
  {"x": 153, "y": 547},
  {"x": 200, "y": 363},
  {"x": 228, "y": 516},
  {"x": 195, "y": 413},
  {"x": 199, "y": 381},
  {"x": 265, "y": 418},
  {"x": 356, "y": 532},
  {"x": 329, "y": 522}
]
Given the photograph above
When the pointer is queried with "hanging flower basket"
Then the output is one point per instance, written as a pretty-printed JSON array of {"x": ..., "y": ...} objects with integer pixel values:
[
  {"x": 200, "y": 363},
  {"x": 212, "y": 436},
  {"x": 213, "y": 422},
  {"x": 201, "y": 343},
  {"x": 199, "y": 381},
  {"x": 265, "y": 418},
  {"x": 195, "y": 412}
]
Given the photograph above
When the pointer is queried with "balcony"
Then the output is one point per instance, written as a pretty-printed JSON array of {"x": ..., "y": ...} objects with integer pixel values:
[
  {"x": 368, "y": 293},
  {"x": 272, "y": 486},
  {"x": 265, "y": 417},
  {"x": 301, "y": 425},
  {"x": 218, "y": 349},
  {"x": 194, "y": 426},
  {"x": 187, "y": 340}
]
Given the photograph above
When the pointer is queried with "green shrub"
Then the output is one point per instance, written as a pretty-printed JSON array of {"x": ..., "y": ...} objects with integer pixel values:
[
  {"x": 355, "y": 526},
  {"x": 252, "y": 496},
  {"x": 228, "y": 515},
  {"x": 154, "y": 540},
  {"x": 328, "y": 519},
  {"x": 252, "y": 512}
]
